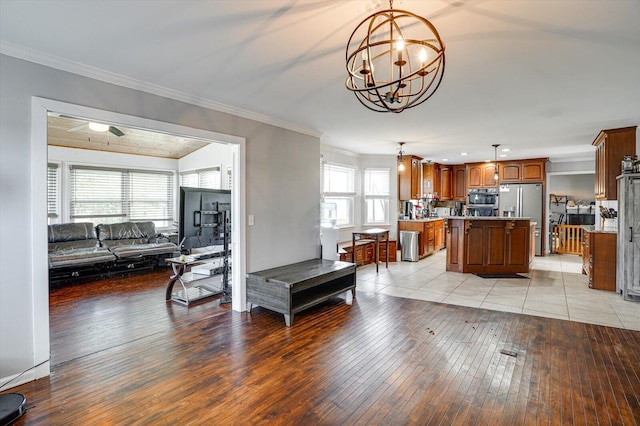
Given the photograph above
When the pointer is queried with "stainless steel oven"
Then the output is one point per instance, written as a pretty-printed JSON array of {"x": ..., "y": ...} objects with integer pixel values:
[{"x": 482, "y": 202}]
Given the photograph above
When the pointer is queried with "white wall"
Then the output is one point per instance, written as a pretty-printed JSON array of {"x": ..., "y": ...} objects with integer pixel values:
[
  {"x": 282, "y": 177},
  {"x": 214, "y": 154}
]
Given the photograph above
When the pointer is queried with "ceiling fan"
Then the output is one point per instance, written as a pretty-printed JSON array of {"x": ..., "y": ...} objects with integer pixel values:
[{"x": 97, "y": 127}]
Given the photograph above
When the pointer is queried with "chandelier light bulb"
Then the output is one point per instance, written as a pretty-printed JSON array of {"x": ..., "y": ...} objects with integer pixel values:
[
  {"x": 423, "y": 55},
  {"x": 400, "y": 44}
]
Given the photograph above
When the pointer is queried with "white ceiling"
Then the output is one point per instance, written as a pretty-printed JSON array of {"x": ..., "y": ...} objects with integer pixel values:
[{"x": 539, "y": 77}]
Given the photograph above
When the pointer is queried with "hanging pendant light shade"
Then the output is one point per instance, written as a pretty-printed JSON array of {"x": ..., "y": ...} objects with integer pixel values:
[
  {"x": 496, "y": 176},
  {"x": 395, "y": 60},
  {"x": 400, "y": 158}
]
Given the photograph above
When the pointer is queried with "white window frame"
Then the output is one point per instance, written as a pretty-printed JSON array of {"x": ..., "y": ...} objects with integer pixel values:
[
  {"x": 348, "y": 196},
  {"x": 381, "y": 194}
]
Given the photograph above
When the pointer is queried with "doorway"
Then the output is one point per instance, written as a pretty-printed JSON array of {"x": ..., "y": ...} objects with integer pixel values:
[{"x": 40, "y": 110}]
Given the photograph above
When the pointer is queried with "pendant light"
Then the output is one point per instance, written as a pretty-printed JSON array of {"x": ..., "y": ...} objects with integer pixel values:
[
  {"x": 400, "y": 158},
  {"x": 395, "y": 60},
  {"x": 496, "y": 176}
]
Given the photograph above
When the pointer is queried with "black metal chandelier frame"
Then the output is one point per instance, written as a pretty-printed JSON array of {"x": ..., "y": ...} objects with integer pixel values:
[{"x": 407, "y": 82}]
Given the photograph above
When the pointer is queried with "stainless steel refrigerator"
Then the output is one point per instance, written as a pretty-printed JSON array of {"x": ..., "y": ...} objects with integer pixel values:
[{"x": 524, "y": 200}]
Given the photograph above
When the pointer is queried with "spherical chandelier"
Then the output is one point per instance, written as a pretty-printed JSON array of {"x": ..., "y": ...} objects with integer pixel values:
[{"x": 395, "y": 60}]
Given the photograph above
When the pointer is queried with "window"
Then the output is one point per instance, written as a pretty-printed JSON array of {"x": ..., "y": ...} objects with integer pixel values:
[
  {"x": 53, "y": 177},
  {"x": 376, "y": 196},
  {"x": 339, "y": 188},
  {"x": 203, "y": 178},
  {"x": 106, "y": 195}
]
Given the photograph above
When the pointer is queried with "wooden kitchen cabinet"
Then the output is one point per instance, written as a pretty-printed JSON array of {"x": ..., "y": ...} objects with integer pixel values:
[
  {"x": 534, "y": 170},
  {"x": 598, "y": 248},
  {"x": 611, "y": 146},
  {"x": 510, "y": 171},
  {"x": 409, "y": 180},
  {"x": 517, "y": 171},
  {"x": 430, "y": 240},
  {"x": 460, "y": 183},
  {"x": 474, "y": 175},
  {"x": 439, "y": 230},
  {"x": 480, "y": 175},
  {"x": 431, "y": 179},
  {"x": 446, "y": 182}
]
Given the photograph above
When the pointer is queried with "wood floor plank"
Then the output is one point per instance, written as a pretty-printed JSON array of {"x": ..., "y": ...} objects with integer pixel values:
[{"x": 122, "y": 355}]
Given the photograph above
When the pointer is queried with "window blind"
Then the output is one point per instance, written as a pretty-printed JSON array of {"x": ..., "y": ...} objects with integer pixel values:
[
  {"x": 338, "y": 179},
  {"x": 203, "y": 178},
  {"x": 376, "y": 182},
  {"x": 52, "y": 190},
  {"x": 109, "y": 195}
]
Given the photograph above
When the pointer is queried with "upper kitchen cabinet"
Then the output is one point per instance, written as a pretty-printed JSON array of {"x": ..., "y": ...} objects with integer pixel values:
[
  {"x": 516, "y": 171},
  {"x": 611, "y": 146},
  {"x": 460, "y": 183},
  {"x": 480, "y": 175},
  {"x": 431, "y": 182},
  {"x": 409, "y": 179},
  {"x": 446, "y": 182}
]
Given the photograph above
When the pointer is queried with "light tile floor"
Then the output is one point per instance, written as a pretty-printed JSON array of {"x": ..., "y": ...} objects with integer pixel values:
[{"x": 554, "y": 288}]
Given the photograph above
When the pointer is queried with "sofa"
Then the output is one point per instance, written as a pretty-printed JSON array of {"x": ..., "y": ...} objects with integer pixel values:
[{"x": 80, "y": 250}]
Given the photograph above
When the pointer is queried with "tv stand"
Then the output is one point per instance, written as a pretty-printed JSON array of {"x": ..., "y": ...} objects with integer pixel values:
[
  {"x": 292, "y": 288},
  {"x": 182, "y": 273}
]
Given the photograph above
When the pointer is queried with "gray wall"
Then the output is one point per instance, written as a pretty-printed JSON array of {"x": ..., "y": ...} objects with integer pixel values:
[{"x": 282, "y": 181}]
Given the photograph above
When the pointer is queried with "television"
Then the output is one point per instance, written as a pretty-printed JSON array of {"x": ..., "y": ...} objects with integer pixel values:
[{"x": 201, "y": 217}]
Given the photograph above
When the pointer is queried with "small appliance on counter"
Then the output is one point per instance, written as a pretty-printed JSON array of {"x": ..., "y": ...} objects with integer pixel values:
[
  {"x": 409, "y": 213},
  {"x": 628, "y": 161},
  {"x": 442, "y": 211},
  {"x": 458, "y": 210}
]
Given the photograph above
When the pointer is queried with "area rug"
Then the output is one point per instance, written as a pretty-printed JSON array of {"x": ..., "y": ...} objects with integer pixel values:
[{"x": 501, "y": 276}]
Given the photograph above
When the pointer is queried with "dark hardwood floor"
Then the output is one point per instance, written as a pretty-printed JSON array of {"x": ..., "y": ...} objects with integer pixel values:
[{"x": 121, "y": 355}]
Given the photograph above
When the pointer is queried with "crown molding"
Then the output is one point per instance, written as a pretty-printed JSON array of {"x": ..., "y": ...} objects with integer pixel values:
[{"x": 46, "y": 59}]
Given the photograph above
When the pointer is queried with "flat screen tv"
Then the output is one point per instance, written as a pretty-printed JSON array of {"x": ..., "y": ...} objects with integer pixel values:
[{"x": 201, "y": 218}]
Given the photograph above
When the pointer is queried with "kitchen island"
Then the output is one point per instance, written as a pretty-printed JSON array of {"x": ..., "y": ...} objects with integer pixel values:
[{"x": 489, "y": 245}]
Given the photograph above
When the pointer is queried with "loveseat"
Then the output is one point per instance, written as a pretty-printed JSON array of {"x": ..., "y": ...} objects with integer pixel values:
[{"x": 81, "y": 250}]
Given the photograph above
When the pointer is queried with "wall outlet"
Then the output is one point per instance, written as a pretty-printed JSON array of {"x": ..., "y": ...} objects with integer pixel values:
[{"x": 252, "y": 220}]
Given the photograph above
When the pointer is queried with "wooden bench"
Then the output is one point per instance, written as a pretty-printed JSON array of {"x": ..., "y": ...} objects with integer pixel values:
[{"x": 292, "y": 288}]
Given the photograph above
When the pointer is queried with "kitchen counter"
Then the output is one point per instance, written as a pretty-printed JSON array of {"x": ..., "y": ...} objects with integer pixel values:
[
  {"x": 592, "y": 228},
  {"x": 488, "y": 218},
  {"x": 426, "y": 219}
]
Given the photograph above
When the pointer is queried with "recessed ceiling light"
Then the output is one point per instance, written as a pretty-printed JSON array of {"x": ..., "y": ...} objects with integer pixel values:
[
  {"x": 464, "y": 153},
  {"x": 505, "y": 149},
  {"x": 503, "y": 155},
  {"x": 445, "y": 159},
  {"x": 487, "y": 161},
  {"x": 98, "y": 127}
]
